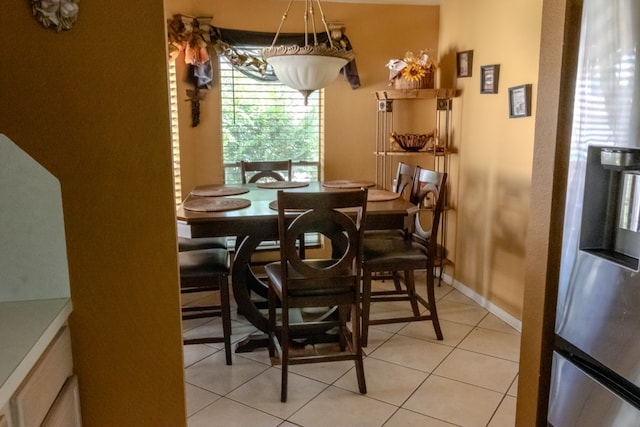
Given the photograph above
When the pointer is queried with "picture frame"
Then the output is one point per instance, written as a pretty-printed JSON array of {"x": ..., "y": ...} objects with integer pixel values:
[
  {"x": 520, "y": 101},
  {"x": 489, "y": 76},
  {"x": 464, "y": 63}
]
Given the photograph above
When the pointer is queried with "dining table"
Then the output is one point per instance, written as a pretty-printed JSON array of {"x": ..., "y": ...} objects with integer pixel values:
[{"x": 249, "y": 213}]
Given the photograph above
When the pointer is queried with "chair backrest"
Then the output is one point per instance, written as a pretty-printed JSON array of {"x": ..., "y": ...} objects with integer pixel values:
[
  {"x": 404, "y": 178},
  {"x": 429, "y": 191},
  {"x": 339, "y": 216},
  {"x": 266, "y": 169}
]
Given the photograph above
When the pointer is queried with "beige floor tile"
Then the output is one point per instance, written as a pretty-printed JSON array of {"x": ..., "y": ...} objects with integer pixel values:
[
  {"x": 225, "y": 412},
  {"x": 513, "y": 390},
  {"x": 454, "y": 402},
  {"x": 263, "y": 393},
  {"x": 196, "y": 352},
  {"x": 412, "y": 353},
  {"x": 391, "y": 328},
  {"x": 452, "y": 333},
  {"x": 453, "y": 311},
  {"x": 377, "y": 337},
  {"x": 386, "y": 381},
  {"x": 258, "y": 355},
  {"x": 337, "y": 407},
  {"x": 457, "y": 296},
  {"x": 505, "y": 416},
  {"x": 404, "y": 418},
  {"x": 198, "y": 398},
  {"x": 493, "y": 343},
  {"x": 214, "y": 375},
  {"x": 327, "y": 372},
  {"x": 494, "y": 323},
  {"x": 478, "y": 369}
]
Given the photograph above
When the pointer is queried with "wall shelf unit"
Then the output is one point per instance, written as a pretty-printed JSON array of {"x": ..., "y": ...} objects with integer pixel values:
[{"x": 436, "y": 154}]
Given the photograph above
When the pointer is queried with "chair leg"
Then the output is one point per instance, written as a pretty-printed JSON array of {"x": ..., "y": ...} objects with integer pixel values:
[
  {"x": 366, "y": 306},
  {"x": 409, "y": 279},
  {"x": 284, "y": 344},
  {"x": 431, "y": 297},
  {"x": 271, "y": 298},
  {"x": 356, "y": 346},
  {"x": 225, "y": 308}
]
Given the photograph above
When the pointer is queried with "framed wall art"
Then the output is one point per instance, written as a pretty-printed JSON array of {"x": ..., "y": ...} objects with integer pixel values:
[
  {"x": 489, "y": 75},
  {"x": 464, "y": 63},
  {"x": 520, "y": 101}
]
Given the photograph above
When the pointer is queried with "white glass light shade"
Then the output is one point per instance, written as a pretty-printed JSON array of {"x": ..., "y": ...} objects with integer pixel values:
[
  {"x": 306, "y": 68},
  {"x": 306, "y": 72}
]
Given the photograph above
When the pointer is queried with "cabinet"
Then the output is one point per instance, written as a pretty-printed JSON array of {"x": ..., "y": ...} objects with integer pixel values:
[{"x": 434, "y": 156}]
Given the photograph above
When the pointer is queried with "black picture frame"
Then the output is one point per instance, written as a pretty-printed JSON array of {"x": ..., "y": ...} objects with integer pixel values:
[
  {"x": 464, "y": 63},
  {"x": 489, "y": 77},
  {"x": 520, "y": 101}
]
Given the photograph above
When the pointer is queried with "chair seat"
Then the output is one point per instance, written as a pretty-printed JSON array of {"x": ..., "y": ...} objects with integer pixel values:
[
  {"x": 384, "y": 234},
  {"x": 274, "y": 273},
  {"x": 203, "y": 263},
  {"x": 383, "y": 252},
  {"x": 185, "y": 244},
  {"x": 207, "y": 270}
]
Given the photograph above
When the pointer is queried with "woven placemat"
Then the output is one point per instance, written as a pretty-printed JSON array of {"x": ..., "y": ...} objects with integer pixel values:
[
  {"x": 217, "y": 204},
  {"x": 218, "y": 191},
  {"x": 346, "y": 183},
  {"x": 381, "y": 195},
  {"x": 282, "y": 184}
]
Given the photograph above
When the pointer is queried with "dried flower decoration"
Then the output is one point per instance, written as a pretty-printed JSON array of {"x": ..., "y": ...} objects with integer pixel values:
[
  {"x": 412, "y": 67},
  {"x": 59, "y": 14}
]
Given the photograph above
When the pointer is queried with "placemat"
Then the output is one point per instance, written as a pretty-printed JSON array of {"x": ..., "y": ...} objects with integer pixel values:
[
  {"x": 217, "y": 204},
  {"x": 381, "y": 195},
  {"x": 346, "y": 183},
  {"x": 282, "y": 184},
  {"x": 218, "y": 191}
]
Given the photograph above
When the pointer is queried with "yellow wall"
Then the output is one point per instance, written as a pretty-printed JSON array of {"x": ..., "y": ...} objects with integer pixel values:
[
  {"x": 378, "y": 33},
  {"x": 491, "y": 174},
  {"x": 91, "y": 105}
]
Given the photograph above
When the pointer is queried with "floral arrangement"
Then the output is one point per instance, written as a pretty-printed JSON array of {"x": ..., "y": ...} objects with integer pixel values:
[
  {"x": 412, "y": 67},
  {"x": 61, "y": 14}
]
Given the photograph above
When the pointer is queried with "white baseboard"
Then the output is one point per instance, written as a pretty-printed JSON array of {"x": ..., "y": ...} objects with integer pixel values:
[{"x": 483, "y": 302}]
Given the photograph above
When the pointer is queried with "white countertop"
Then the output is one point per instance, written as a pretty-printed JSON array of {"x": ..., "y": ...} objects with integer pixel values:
[{"x": 26, "y": 329}]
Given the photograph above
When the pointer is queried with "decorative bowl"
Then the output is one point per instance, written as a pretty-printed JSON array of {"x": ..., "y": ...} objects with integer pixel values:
[{"x": 412, "y": 141}]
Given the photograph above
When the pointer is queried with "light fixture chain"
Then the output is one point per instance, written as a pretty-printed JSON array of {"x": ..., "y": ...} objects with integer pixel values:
[
  {"x": 284, "y": 18},
  {"x": 324, "y": 22}
]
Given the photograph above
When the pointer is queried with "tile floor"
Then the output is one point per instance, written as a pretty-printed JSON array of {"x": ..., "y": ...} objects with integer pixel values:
[{"x": 468, "y": 379}]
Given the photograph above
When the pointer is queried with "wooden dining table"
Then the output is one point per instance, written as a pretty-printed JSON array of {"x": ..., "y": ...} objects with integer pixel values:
[{"x": 257, "y": 223}]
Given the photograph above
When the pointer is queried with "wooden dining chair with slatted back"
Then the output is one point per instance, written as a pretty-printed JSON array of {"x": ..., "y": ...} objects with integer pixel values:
[
  {"x": 297, "y": 283},
  {"x": 402, "y": 183},
  {"x": 278, "y": 170},
  {"x": 419, "y": 251},
  {"x": 206, "y": 272}
]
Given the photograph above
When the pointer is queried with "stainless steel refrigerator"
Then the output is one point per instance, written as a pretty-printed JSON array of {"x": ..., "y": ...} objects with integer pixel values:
[{"x": 596, "y": 360}]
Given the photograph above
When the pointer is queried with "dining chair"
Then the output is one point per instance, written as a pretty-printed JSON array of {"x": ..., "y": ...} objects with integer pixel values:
[
  {"x": 186, "y": 244},
  {"x": 418, "y": 251},
  {"x": 206, "y": 271},
  {"x": 297, "y": 283},
  {"x": 403, "y": 180},
  {"x": 265, "y": 170}
]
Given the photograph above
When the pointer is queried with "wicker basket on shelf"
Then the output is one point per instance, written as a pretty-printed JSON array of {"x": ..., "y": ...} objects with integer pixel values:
[{"x": 424, "y": 82}]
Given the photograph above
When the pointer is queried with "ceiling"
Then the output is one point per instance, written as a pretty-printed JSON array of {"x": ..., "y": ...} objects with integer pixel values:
[{"x": 418, "y": 2}]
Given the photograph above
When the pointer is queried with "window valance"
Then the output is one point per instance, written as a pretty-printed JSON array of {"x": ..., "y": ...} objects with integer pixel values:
[{"x": 198, "y": 38}]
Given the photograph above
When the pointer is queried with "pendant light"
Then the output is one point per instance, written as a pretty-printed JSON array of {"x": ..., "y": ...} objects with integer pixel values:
[{"x": 309, "y": 67}]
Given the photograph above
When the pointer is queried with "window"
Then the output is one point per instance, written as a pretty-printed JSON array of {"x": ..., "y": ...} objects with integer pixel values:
[
  {"x": 175, "y": 134},
  {"x": 263, "y": 120}
]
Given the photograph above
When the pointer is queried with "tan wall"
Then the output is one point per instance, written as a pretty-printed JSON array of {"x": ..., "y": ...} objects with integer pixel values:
[
  {"x": 491, "y": 174},
  {"x": 91, "y": 105},
  {"x": 377, "y": 32}
]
